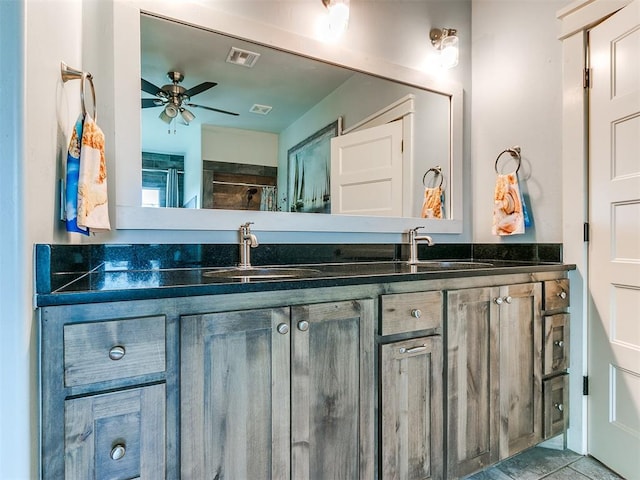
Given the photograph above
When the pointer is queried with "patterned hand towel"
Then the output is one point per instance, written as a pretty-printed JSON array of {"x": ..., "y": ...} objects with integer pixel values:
[
  {"x": 432, "y": 205},
  {"x": 93, "y": 209},
  {"x": 508, "y": 218},
  {"x": 71, "y": 191}
]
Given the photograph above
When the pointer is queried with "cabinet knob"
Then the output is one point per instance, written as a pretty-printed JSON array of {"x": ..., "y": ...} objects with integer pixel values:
[
  {"x": 559, "y": 343},
  {"x": 508, "y": 299},
  {"x": 559, "y": 406},
  {"x": 118, "y": 451},
  {"x": 283, "y": 329},
  {"x": 562, "y": 294},
  {"x": 116, "y": 352},
  {"x": 498, "y": 300},
  {"x": 416, "y": 313},
  {"x": 303, "y": 326}
]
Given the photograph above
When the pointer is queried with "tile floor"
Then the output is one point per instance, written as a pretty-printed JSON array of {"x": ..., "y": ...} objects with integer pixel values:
[{"x": 548, "y": 464}]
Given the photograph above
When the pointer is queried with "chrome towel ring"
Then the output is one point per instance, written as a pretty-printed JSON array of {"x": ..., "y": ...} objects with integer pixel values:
[
  {"x": 514, "y": 152},
  {"x": 69, "y": 73},
  {"x": 436, "y": 171}
]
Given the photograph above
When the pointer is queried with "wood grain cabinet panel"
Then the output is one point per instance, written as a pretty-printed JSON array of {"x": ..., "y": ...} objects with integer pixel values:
[
  {"x": 556, "y": 343},
  {"x": 278, "y": 393},
  {"x": 556, "y": 405},
  {"x": 494, "y": 374},
  {"x": 111, "y": 350},
  {"x": 407, "y": 312},
  {"x": 234, "y": 395},
  {"x": 556, "y": 294},
  {"x": 411, "y": 410},
  {"x": 118, "y": 435}
]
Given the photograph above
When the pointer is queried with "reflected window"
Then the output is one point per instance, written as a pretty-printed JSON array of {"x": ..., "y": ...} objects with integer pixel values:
[{"x": 162, "y": 180}]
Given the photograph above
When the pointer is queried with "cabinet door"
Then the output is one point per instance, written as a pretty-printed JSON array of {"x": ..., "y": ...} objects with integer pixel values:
[
  {"x": 520, "y": 368},
  {"x": 473, "y": 334},
  {"x": 234, "y": 389},
  {"x": 116, "y": 435},
  {"x": 411, "y": 392},
  {"x": 332, "y": 391}
]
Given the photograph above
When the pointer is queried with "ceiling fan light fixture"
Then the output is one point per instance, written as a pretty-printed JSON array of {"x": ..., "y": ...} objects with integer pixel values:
[
  {"x": 164, "y": 117},
  {"x": 171, "y": 110},
  {"x": 187, "y": 116}
]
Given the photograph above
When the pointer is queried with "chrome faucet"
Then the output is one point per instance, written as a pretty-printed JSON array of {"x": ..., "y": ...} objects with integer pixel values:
[
  {"x": 414, "y": 239},
  {"x": 247, "y": 241}
]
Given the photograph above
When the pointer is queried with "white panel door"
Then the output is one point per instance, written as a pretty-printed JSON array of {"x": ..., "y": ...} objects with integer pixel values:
[
  {"x": 614, "y": 249},
  {"x": 366, "y": 171}
]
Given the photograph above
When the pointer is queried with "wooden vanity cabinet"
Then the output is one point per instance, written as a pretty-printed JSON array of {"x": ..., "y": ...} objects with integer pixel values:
[
  {"x": 104, "y": 393},
  {"x": 494, "y": 374},
  {"x": 278, "y": 393},
  {"x": 556, "y": 357},
  {"x": 411, "y": 387}
]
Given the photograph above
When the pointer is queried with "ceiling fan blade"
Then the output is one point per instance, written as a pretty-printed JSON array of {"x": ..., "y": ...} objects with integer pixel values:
[
  {"x": 150, "y": 102},
  {"x": 212, "y": 109},
  {"x": 199, "y": 88},
  {"x": 150, "y": 87}
]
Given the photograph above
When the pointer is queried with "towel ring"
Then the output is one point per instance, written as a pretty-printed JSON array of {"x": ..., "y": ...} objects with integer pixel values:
[
  {"x": 514, "y": 152},
  {"x": 436, "y": 171},
  {"x": 88, "y": 76},
  {"x": 69, "y": 73}
]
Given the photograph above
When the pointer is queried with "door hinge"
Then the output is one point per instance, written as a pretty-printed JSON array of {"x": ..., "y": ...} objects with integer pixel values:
[
  {"x": 585, "y": 385},
  {"x": 586, "y": 78},
  {"x": 585, "y": 231}
]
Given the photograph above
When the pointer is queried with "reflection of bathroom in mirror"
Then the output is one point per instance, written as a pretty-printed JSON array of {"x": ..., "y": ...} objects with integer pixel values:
[{"x": 240, "y": 162}]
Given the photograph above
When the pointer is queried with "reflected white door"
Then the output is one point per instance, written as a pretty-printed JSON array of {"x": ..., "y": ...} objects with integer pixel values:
[
  {"x": 366, "y": 171},
  {"x": 614, "y": 249}
]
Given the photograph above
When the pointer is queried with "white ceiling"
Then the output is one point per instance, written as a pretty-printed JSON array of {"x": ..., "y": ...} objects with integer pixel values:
[{"x": 289, "y": 83}]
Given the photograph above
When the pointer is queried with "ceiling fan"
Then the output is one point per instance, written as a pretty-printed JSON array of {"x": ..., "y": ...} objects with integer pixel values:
[{"x": 174, "y": 98}]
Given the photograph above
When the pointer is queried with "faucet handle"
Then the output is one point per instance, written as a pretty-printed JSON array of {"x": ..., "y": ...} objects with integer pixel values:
[{"x": 415, "y": 229}]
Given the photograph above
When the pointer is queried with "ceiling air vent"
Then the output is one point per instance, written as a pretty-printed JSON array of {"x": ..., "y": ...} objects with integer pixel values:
[
  {"x": 245, "y": 58},
  {"x": 260, "y": 109}
]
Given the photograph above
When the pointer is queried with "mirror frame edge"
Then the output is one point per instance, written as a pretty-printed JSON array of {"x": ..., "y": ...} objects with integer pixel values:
[{"x": 127, "y": 70}]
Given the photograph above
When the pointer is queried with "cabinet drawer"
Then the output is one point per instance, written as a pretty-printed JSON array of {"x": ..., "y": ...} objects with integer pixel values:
[
  {"x": 556, "y": 405},
  {"x": 407, "y": 312},
  {"x": 556, "y": 343},
  {"x": 97, "y": 352},
  {"x": 116, "y": 435},
  {"x": 556, "y": 294}
]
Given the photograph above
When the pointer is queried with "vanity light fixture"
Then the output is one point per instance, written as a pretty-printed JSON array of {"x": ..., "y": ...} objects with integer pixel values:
[
  {"x": 446, "y": 41},
  {"x": 338, "y": 15}
]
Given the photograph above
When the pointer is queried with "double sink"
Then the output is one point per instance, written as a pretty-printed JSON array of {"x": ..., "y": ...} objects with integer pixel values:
[{"x": 335, "y": 269}]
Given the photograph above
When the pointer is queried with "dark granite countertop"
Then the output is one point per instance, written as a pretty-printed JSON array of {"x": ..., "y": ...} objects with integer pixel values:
[{"x": 100, "y": 285}]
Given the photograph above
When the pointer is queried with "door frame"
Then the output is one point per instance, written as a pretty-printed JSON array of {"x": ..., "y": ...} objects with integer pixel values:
[{"x": 576, "y": 18}]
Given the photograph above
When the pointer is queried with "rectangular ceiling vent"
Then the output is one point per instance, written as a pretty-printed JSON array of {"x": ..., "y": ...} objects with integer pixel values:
[
  {"x": 245, "y": 58},
  {"x": 260, "y": 109}
]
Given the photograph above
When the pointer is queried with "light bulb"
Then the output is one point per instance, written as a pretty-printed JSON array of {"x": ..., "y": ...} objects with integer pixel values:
[{"x": 449, "y": 52}]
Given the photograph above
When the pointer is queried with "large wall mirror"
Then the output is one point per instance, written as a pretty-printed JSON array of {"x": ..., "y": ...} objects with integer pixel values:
[{"x": 253, "y": 140}]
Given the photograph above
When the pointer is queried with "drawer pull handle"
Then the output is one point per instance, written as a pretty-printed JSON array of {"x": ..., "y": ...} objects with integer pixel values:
[
  {"x": 419, "y": 348},
  {"x": 498, "y": 300},
  {"x": 559, "y": 343},
  {"x": 508, "y": 299},
  {"x": 562, "y": 295},
  {"x": 416, "y": 313},
  {"x": 118, "y": 451},
  {"x": 283, "y": 329},
  {"x": 116, "y": 352},
  {"x": 303, "y": 326},
  {"x": 559, "y": 406}
]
